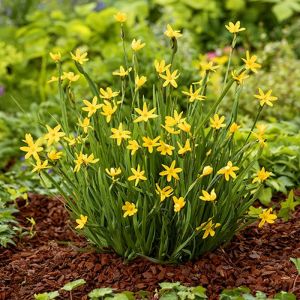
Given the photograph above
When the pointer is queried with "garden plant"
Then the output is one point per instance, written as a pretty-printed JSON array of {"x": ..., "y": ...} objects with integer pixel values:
[{"x": 140, "y": 175}]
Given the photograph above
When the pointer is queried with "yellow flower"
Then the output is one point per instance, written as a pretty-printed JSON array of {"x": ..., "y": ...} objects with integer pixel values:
[
  {"x": 250, "y": 62},
  {"x": 71, "y": 140},
  {"x": 184, "y": 126},
  {"x": 179, "y": 203},
  {"x": 122, "y": 72},
  {"x": 149, "y": 143},
  {"x": 160, "y": 66},
  {"x": 137, "y": 45},
  {"x": 145, "y": 114},
  {"x": 84, "y": 159},
  {"x": 165, "y": 149},
  {"x": 175, "y": 120},
  {"x": 212, "y": 196},
  {"x": 267, "y": 216},
  {"x": 133, "y": 145},
  {"x": 209, "y": 228},
  {"x": 170, "y": 78},
  {"x": 194, "y": 95},
  {"x": 261, "y": 128},
  {"x": 56, "y": 57},
  {"x": 54, "y": 155},
  {"x": 129, "y": 209},
  {"x": 171, "y": 171},
  {"x": 70, "y": 76},
  {"x": 234, "y": 28},
  {"x": 265, "y": 98},
  {"x": 85, "y": 124},
  {"x": 261, "y": 140},
  {"x": 207, "y": 170},
  {"x": 53, "y": 135},
  {"x": 137, "y": 175},
  {"x": 208, "y": 66},
  {"x": 217, "y": 122},
  {"x": 172, "y": 34},
  {"x": 186, "y": 148},
  {"x": 120, "y": 134},
  {"x": 170, "y": 129},
  {"x": 260, "y": 134},
  {"x": 108, "y": 93},
  {"x": 32, "y": 148},
  {"x": 239, "y": 78},
  {"x": 52, "y": 79},
  {"x": 91, "y": 107},
  {"x": 40, "y": 166},
  {"x": 140, "y": 81},
  {"x": 228, "y": 171},
  {"x": 81, "y": 221},
  {"x": 234, "y": 127},
  {"x": 164, "y": 193},
  {"x": 261, "y": 176},
  {"x": 120, "y": 17},
  {"x": 79, "y": 56},
  {"x": 108, "y": 110},
  {"x": 113, "y": 172}
]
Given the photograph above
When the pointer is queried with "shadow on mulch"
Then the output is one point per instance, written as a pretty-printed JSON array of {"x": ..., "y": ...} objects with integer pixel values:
[{"x": 257, "y": 258}]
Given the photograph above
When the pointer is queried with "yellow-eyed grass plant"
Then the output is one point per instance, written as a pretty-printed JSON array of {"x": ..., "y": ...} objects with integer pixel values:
[{"x": 140, "y": 176}]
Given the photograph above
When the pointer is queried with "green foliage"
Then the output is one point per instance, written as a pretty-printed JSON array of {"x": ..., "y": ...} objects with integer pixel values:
[
  {"x": 70, "y": 286},
  {"x": 108, "y": 293},
  {"x": 296, "y": 262},
  {"x": 46, "y": 296},
  {"x": 171, "y": 231},
  {"x": 9, "y": 227},
  {"x": 169, "y": 291},
  {"x": 175, "y": 291},
  {"x": 288, "y": 206},
  {"x": 243, "y": 293},
  {"x": 280, "y": 62}
]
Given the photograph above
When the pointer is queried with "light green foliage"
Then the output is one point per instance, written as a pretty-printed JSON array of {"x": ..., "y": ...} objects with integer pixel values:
[
  {"x": 243, "y": 293},
  {"x": 175, "y": 291},
  {"x": 108, "y": 293},
  {"x": 170, "y": 291},
  {"x": 288, "y": 206},
  {"x": 9, "y": 227},
  {"x": 279, "y": 73},
  {"x": 70, "y": 286},
  {"x": 296, "y": 262},
  {"x": 46, "y": 296}
]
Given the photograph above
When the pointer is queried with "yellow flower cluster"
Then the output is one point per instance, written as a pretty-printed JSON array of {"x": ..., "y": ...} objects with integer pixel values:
[{"x": 172, "y": 135}]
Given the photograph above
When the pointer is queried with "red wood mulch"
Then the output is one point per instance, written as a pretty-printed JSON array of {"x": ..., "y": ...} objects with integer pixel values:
[{"x": 256, "y": 258}]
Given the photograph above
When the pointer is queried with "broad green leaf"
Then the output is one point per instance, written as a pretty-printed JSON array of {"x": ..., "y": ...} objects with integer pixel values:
[
  {"x": 73, "y": 285},
  {"x": 284, "y": 296},
  {"x": 199, "y": 291},
  {"x": 97, "y": 293},
  {"x": 46, "y": 296},
  {"x": 265, "y": 196},
  {"x": 282, "y": 11},
  {"x": 296, "y": 262},
  {"x": 169, "y": 285}
]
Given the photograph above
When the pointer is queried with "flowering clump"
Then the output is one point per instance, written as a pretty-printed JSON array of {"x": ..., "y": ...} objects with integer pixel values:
[{"x": 143, "y": 176}]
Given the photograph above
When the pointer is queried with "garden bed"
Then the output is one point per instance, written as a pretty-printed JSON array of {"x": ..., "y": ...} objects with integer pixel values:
[{"x": 257, "y": 258}]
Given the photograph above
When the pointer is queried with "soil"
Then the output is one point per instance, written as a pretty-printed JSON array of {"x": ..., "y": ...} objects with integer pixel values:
[{"x": 256, "y": 258}]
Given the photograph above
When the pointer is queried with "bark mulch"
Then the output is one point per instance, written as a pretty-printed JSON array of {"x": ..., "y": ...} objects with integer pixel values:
[{"x": 257, "y": 258}]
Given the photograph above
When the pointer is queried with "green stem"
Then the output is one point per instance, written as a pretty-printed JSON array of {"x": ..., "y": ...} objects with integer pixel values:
[
  {"x": 62, "y": 101},
  {"x": 255, "y": 121}
]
